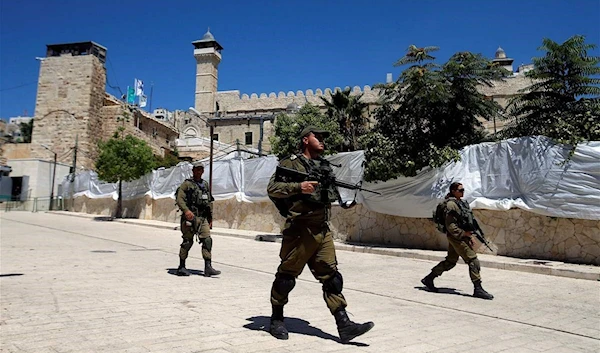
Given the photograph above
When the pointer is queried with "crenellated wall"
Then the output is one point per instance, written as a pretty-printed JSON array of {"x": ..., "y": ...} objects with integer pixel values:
[
  {"x": 232, "y": 102},
  {"x": 515, "y": 233}
]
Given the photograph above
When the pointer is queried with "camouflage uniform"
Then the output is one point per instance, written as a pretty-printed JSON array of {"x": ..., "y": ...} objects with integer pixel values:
[
  {"x": 195, "y": 196},
  {"x": 307, "y": 239},
  {"x": 458, "y": 212}
]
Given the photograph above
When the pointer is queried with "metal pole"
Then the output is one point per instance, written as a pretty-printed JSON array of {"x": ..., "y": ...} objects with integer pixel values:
[
  {"x": 210, "y": 178},
  {"x": 53, "y": 178}
]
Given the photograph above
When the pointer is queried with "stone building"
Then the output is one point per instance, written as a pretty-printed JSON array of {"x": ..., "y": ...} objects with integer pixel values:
[
  {"x": 73, "y": 112},
  {"x": 250, "y": 118},
  {"x": 73, "y": 108}
]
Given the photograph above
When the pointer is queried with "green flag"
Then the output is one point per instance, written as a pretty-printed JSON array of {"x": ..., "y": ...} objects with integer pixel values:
[{"x": 130, "y": 95}]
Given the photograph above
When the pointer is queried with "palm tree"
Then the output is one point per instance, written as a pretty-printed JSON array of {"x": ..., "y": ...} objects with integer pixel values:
[{"x": 348, "y": 111}]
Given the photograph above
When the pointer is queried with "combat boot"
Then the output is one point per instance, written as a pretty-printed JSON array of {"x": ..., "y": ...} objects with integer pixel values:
[
  {"x": 277, "y": 328},
  {"x": 428, "y": 282},
  {"x": 181, "y": 270},
  {"x": 348, "y": 329},
  {"x": 209, "y": 270},
  {"x": 480, "y": 292}
]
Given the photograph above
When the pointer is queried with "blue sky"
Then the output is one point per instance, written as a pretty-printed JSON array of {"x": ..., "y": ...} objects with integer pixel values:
[{"x": 271, "y": 46}]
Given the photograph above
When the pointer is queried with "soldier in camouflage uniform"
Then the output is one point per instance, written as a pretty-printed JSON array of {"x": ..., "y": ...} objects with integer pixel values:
[
  {"x": 195, "y": 202},
  {"x": 307, "y": 239},
  {"x": 460, "y": 242}
]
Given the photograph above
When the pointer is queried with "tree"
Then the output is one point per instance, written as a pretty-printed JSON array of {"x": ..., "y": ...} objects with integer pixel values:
[
  {"x": 563, "y": 103},
  {"x": 26, "y": 131},
  {"x": 348, "y": 111},
  {"x": 123, "y": 158},
  {"x": 286, "y": 140},
  {"x": 170, "y": 159},
  {"x": 429, "y": 113}
]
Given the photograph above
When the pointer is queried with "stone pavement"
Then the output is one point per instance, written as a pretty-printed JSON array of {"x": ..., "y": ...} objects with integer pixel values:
[
  {"x": 546, "y": 267},
  {"x": 82, "y": 284}
]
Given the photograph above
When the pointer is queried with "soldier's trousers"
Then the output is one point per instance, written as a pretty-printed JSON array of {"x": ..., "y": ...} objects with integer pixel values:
[
  {"x": 203, "y": 230},
  {"x": 312, "y": 246},
  {"x": 458, "y": 248}
]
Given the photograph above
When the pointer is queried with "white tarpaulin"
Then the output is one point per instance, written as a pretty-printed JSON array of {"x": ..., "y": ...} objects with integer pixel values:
[{"x": 526, "y": 173}]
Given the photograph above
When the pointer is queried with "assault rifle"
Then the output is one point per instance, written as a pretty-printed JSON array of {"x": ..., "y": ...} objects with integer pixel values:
[
  {"x": 478, "y": 232},
  {"x": 295, "y": 175}
]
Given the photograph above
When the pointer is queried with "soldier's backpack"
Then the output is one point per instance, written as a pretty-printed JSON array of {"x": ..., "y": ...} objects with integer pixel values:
[{"x": 439, "y": 216}]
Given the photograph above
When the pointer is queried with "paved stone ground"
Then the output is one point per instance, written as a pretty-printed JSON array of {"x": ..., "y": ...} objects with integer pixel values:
[{"x": 71, "y": 284}]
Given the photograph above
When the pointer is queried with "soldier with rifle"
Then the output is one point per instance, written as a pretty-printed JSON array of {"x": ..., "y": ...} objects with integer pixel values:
[
  {"x": 307, "y": 239},
  {"x": 195, "y": 201},
  {"x": 460, "y": 225}
]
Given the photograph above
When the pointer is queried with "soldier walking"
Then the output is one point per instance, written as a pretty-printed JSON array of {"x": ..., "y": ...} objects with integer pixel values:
[
  {"x": 458, "y": 216},
  {"x": 307, "y": 239}
]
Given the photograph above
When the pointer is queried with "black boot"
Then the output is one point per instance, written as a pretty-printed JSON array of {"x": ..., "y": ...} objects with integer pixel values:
[
  {"x": 428, "y": 282},
  {"x": 278, "y": 329},
  {"x": 208, "y": 270},
  {"x": 480, "y": 292},
  {"x": 181, "y": 270},
  {"x": 348, "y": 329}
]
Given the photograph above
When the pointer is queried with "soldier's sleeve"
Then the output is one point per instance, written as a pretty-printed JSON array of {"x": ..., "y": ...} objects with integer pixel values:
[
  {"x": 280, "y": 189},
  {"x": 181, "y": 197},
  {"x": 452, "y": 220}
]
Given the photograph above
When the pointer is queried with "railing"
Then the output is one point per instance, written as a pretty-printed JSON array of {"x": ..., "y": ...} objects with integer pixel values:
[{"x": 36, "y": 204}]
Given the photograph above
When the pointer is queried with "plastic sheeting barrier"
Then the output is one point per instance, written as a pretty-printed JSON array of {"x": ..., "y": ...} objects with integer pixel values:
[{"x": 527, "y": 173}]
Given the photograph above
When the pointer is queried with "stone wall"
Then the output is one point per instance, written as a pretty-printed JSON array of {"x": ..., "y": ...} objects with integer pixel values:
[
  {"x": 68, "y": 102},
  {"x": 158, "y": 134},
  {"x": 233, "y": 102},
  {"x": 515, "y": 233},
  {"x": 17, "y": 151}
]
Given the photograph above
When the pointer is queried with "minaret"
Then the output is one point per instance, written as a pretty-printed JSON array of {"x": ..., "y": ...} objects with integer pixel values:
[
  {"x": 502, "y": 60},
  {"x": 207, "y": 52}
]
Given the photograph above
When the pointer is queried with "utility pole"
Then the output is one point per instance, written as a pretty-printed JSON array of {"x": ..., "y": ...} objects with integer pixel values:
[
  {"x": 72, "y": 184},
  {"x": 75, "y": 158},
  {"x": 53, "y": 178}
]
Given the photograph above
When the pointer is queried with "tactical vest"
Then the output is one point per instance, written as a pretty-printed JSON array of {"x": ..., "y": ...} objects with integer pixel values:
[
  {"x": 325, "y": 193},
  {"x": 465, "y": 216},
  {"x": 198, "y": 198}
]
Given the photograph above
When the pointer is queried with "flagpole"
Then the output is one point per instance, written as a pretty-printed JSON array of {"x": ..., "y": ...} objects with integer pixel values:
[
  {"x": 135, "y": 89},
  {"x": 150, "y": 103}
]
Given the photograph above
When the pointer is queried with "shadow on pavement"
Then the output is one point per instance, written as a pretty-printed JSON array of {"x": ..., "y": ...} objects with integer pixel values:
[
  {"x": 104, "y": 219},
  {"x": 173, "y": 271},
  {"x": 268, "y": 238},
  {"x": 294, "y": 325},
  {"x": 11, "y": 274},
  {"x": 443, "y": 290}
]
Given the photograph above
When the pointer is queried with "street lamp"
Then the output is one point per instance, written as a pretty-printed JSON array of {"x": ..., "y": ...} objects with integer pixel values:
[
  {"x": 211, "y": 125},
  {"x": 53, "y": 178}
]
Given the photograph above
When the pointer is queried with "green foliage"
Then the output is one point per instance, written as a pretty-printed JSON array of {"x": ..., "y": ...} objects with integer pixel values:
[
  {"x": 26, "y": 131},
  {"x": 124, "y": 159},
  {"x": 347, "y": 110},
  {"x": 286, "y": 140},
  {"x": 429, "y": 113},
  {"x": 563, "y": 103},
  {"x": 169, "y": 160}
]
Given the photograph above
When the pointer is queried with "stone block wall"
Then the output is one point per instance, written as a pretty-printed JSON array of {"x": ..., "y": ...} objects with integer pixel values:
[
  {"x": 156, "y": 133},
  {"x": 68, "y": 102},
  {"x": 515, "y": 233},
  {"x": 17, "y": 151}
]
